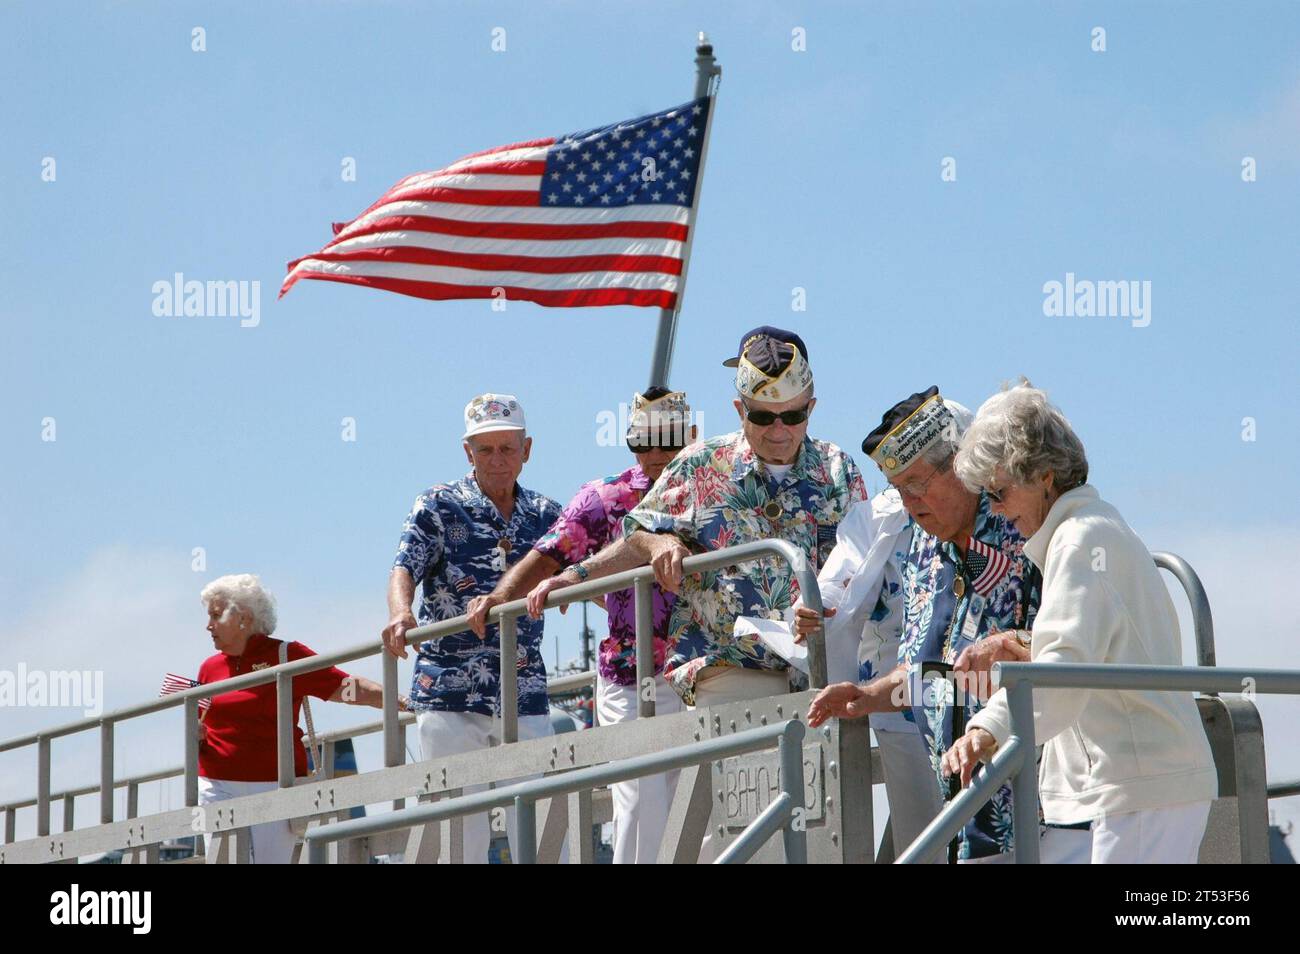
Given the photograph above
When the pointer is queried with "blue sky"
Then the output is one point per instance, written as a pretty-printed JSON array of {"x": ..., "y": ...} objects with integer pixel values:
[{"x": 823, "y": 174}]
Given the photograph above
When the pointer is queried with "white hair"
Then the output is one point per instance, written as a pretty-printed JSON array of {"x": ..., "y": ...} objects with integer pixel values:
[
  {"x": 1019, "y": 433},
  {"x": 243, "y": 592},
  {"x": 938, "y": 454}
]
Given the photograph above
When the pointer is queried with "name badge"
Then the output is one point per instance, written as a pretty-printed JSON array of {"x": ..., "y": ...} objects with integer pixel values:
[{"x": 974, "y": 613}]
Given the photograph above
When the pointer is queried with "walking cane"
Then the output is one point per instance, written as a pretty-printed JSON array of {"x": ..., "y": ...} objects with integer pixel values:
[{"x": 929, "y": 670}]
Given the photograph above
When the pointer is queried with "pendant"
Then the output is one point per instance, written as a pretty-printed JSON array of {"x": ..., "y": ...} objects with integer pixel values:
[
  {"x": 504, "y": 544},
  {"x": 772, "y": 509},
  {"x": 959, "y": 586}
]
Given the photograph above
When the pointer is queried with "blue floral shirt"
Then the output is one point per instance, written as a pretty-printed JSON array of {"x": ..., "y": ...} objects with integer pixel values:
[
  {"x": 452, "y": 546},
  {"x": 943, "y": 617}
]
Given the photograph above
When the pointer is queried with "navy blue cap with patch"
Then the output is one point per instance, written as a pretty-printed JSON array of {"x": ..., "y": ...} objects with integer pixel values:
[{"x": 778, "y": 334}]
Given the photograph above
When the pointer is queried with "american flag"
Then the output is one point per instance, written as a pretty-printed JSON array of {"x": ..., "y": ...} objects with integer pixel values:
[
  {"x": 590, "y": 218},
  {"x": 987, "y": 566},
  {"x": 174, "y": 683}
]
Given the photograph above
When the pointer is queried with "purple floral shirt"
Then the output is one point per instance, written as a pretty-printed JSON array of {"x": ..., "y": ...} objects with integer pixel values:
[{"x": 593, "y": 520}]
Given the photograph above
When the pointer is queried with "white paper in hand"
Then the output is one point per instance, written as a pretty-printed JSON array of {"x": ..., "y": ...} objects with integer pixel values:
[{"x": 776, "y": 637}]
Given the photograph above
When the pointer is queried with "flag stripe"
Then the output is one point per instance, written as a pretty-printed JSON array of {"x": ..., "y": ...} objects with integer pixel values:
[
  {"x": 574, "y": 298},
  {"x": 511, "y": 230},
  {"x": 448, "y": 275},
  {"x": 498, "y": 246},
  {"x": 544, "y": 265}
]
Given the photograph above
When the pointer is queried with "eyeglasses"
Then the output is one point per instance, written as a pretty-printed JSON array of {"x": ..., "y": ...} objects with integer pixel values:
[
  {"x": 645, "y": 443},
  {"x": 996, "y": 496},
  {"x": 768, "y": 418},
  {"x": 918, "y": 488}
]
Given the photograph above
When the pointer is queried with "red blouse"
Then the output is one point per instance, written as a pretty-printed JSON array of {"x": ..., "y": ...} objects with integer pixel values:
[{"x": 240, "y": 743}]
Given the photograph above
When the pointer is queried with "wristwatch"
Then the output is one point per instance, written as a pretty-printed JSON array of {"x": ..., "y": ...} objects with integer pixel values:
[
  {"x": 1023, "y": 637},
  {"x": 582, "y": 572}
]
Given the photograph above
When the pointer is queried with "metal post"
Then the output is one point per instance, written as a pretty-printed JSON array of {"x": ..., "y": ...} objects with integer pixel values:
[
  {"x": 191, "y": 753},
  {"x": 393, "y": 755},
  {"x": 1202, "y": 619},
  {"x": 706, "y": 69},
  {"x": 43, "y": 785},
  {"x": 643, "y": 595},
  {"x": 794, "y": 831},
  {"x": 509, "y": 680},
  {"x": 11, "y": 818},
  {"x": 284, "y": 728},
  {"x": 69, "y": 812},
  {"x": 526, "y": 830},
  {"x": 1024, "y": 783},
  {"x": 105, "y": 772},
  {"x": 132, "y": 799}
]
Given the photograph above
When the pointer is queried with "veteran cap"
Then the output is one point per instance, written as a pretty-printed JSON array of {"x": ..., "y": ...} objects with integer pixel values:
[
  {"x": 772, "y": 365},
  {"x": 908, "y": 429},
  {"x": 493, "y": 412}
]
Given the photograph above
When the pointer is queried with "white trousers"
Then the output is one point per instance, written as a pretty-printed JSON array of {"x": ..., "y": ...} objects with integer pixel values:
[
  {"x": 1162, "y": 836},
  {"x": 451, "y": 733},
  {"x": 910, "y": 785},
  {"x": 722, "y": 684},
  {"x": 1057, "y": 846},
  {"x": 272, "y": 843},
  {"x": 641, "y": 805}
]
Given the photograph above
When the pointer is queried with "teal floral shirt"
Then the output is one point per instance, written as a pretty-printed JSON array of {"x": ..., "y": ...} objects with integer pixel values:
[
  {"x": 951, "y": 602},
  {"x": 717, "y": 493}
]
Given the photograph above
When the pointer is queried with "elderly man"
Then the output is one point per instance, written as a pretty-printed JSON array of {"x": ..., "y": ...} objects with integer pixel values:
[
  {"x": 967, "y": 586},
  {"x": 458, "y": 540},
  {"x": 584, "y": 543},
  {"x": 769, "y": 479}
]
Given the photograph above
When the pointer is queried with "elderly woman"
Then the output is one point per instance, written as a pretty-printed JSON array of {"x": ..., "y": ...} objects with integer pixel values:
[
  {"x": 1135, "y": 764},
  {"x": 237, "y": 747}
]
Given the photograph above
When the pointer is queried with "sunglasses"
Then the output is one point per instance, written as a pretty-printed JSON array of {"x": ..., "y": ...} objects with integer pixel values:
[
  {"x": 768, "y": 418},
  {"x": 644, "y": 444}
]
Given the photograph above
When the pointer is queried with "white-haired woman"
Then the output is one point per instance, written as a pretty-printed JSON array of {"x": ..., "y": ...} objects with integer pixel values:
[
  {"x": 1135, "y": 764},
  {"x": 237, "y": 748}
]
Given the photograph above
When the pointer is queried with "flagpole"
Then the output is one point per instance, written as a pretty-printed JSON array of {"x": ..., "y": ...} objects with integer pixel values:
[{"x": 706, "y": 69}]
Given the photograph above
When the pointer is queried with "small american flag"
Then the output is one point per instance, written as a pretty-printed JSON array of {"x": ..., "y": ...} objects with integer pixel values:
[
  {"x": 174, "y": 683},
  {"x": 988, "y": 565},
  {"x": 589, "y": 218}
]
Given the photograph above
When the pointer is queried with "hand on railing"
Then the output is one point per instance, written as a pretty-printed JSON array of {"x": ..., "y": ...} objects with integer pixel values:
[
  {"x": 538, "y": 594},
  {"x": 666, "y": 555},
  {"x": 844, "y": 700},
  {"x": 394, "y": 634},
  {"x": 980, "y": 657},
  {"x": 477, "y": 611},
  {"x": 806, "y": 621},
  {"x": 977, "y": 745}
]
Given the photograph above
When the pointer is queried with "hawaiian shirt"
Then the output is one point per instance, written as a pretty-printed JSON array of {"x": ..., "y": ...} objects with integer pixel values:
[
  {"x": 593, "y": 520},
  {"x": 999, "y": 590},
  {"x": 717, "y": 493},
  {"x": 452, "y": 544}
]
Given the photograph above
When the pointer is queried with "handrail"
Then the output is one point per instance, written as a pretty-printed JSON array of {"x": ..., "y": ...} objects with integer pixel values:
[
  {"x": 562, "y": 686},
  {"x": 1284, "y": 789},
  {"x": 1202, "y": 618},
  {"x": 1018, "y": 763},
  {"x": 524, "y": 795},
  {"x": 505, "y": 615}
]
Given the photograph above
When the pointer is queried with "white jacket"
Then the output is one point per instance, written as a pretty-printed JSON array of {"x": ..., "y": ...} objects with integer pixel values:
[
  {"x": 1103, "y": 601},
  {"x": 857, "y": 574}
]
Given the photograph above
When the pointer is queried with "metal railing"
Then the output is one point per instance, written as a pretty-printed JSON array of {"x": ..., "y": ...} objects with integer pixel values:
[
  {"x": 779, "y": 815},
  {"x": 506, "y": 615},
  {"x": 1014, "y": 760},
  {"x": 1202, "y": 618}
]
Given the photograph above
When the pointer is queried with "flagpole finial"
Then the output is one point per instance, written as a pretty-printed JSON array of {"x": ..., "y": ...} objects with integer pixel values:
[{"x": 703, "y": 45}]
